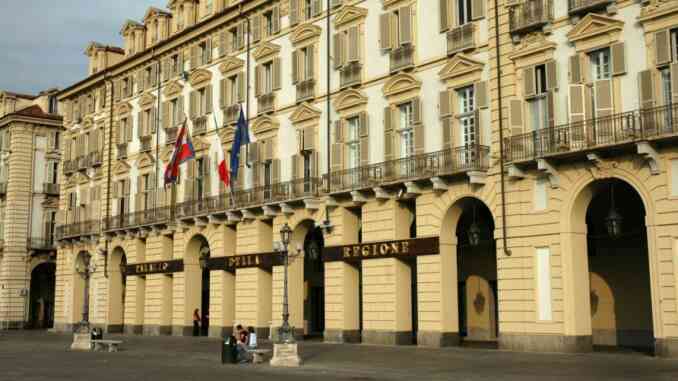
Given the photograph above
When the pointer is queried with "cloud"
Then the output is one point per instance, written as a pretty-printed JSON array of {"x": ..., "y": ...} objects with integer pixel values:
[{"x": 43, "y": 41}]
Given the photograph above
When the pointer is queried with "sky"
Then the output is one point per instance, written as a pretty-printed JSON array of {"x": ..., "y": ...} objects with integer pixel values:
[{"x": 42, "y": 42}]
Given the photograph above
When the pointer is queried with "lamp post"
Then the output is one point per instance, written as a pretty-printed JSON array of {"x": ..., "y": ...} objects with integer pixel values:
[
  {"x": 613, "y": 221},
  {"x": 285, "y": 335},
  {"x": 474, "y": 231},
  {"x": 85, "y": 269}
]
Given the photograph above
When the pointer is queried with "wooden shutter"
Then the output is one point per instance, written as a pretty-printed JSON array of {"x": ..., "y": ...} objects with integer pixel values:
[
  {"x": 577, "y": 107},
  {"x": 275, "y": 171},
  {"x": 154, "y": 74},
  {"x": 222, "y": 92},
  {"x": 256, "y": 28},
  {"x": 153, "y": 120},
  {"x": 294, "y": 12},
  {"x": 618, "y": 58},
  {"x": 309, "y": 138},
  {"x": 388, "y": 134},
  {"x": 364, "y": 139},
  {"x": 192, "y": 108},
  {"x": 116, "y": 94},
  {"x": 208, "y": 99},
  {"x": 551, "y": 109},
  {"x": 257, "y": 80},
  {"x": 662, "y": 47},
  {"x": 445, "y": 104},
  {"x": 674, "y": 83},
  {"x": 385, "y": 42},
  {"x": 277, "y": 75},
  {"x": 336, "y": 162},
  {"x": 295, "y": 64},
  {"x": 353, "y": 44},
  {"x": 317, "y": 7},
  {"x": 241, "y": 35},
  {"x": 480, "y": 91},
  {"x": 310, "y": 61},
  {"x": 447, "y": 133},
  {"x": 477, "y": 9},
  {"x": 443, "y": 12},
  {"x": 604, "y": 98},
  {"x": 139, "y": 196},
  {"x": 338, "y": 50},
  {"x": 208, "y": 50},
  {"x": 646, "y": 87},
  {"x": 195, "y": 57},
  {"x": 166, "y": 115},
  {"x": 405, "y": 24},
  {"x": 223, "y": 47},
  {"x": 551, "y": 75},
  {"x": 295, "y": 166},
  {"x": 516, "y": 116},
  {"x": 165, "y": 69},
  {"x": 529, "y": 84},
  {"x": 189, "y": 184},
  {"x": 180, "y": 109},
  {"x": 206, "y": 178},
  {"x": 575, "y": 69},
  {"x": 141, "y": 84}
]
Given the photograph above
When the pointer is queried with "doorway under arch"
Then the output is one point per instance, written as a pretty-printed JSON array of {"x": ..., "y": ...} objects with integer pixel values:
[
  {"x": 41, "y": 307},
  {"x": 197, "y": 283},
  {"x": 117, "y": 285},
  {"x": 314, "y": 283}
]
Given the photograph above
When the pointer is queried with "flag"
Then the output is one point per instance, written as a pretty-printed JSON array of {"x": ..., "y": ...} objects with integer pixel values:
[
  {"x": 241, "y": 138},
  {"x": 183, "y": 151},
  {"x": 221, "y": 160}
]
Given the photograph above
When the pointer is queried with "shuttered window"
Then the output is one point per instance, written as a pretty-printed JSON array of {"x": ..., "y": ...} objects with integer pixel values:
[
  {"x": 464, "y": 11},
  {"x": 352, "y": 140},
  {"x": 406, "y": 131},
  {"x": 600, "y": 64}
]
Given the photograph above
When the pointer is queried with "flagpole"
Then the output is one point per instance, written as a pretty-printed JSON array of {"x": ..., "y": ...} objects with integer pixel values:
[{"x": 247, "y": 92}]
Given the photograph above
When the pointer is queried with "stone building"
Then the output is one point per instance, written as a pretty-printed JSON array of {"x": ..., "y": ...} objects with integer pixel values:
[
  {"x": 479, "y": 170},
  {"x": 30, "y": 133}
]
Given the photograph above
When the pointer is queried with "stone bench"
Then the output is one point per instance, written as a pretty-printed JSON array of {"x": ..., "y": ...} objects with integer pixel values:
[
  {"x": 258, "y": 355},
  {"x": 110, "y": 345}
]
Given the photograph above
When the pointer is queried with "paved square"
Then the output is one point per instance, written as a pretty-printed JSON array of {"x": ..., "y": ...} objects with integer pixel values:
[{"x": 38, "y": 356}]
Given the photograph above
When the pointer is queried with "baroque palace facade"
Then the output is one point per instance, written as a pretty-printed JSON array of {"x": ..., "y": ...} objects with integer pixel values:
[
  {"x": 30, "y": 135},
  {"x": 479, "y": 170}
]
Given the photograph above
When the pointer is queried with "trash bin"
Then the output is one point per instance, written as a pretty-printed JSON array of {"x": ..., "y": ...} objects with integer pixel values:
[
  {"x": 97, "y": 334},
  {"x": 228, "y": 351}
]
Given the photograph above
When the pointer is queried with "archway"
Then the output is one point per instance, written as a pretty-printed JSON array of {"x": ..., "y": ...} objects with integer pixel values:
[
  {"x": 197, "y": 283},
  {"x": 117, "y": 285},
  {"x": 476, "y": 272},
  {"x": 618, "y": 266},
  {"x": 314, "y": 283},
  {"x": 41, "y": 307}
]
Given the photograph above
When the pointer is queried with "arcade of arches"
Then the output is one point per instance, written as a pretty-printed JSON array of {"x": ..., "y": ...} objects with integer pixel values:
[{"x": 594, "y": 284}]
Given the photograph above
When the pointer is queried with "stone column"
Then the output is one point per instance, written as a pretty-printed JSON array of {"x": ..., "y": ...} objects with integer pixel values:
[
  {"x": 222, "y": 285},
  {"x": 576, "y": 293},
  {"x": 158, "y": 300}
]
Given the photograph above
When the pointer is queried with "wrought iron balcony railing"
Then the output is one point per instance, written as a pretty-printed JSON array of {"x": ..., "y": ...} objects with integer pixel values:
[
  {"x": 530, "y": 15},
  {"x": 96, "y": 158},
  {"x": 266, "y": 103},
  {"x": 305, "y": 90},
  {"x": 441, "y": 163},
  {"x": 583, "y": 6},
  {"x": 613, "y": 130},
  {"x": 50, "y": 188},
  {"x": 70, "y": 166},
  {"x": 199, "y": 125},
  {"x": 192, "y": 208},
  {"x": 122, "y": 151},
  {"x": 402, "y": 58},
  {"x": 83, "y": 162},
  {"x": 171, "y": 135},
  {"x": 137, "y": 219},
  {"x": 77, "y": 229},
  {"x": 231, "y": 113},
  {"x": 350, "y": 74},
  {"x": 461, "y": 38},
  {"x": 146, "y": 143}
]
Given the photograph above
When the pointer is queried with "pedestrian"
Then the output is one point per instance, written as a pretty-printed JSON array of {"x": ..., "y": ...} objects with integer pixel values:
[
  {"x": 252, "y": 337},
  {"x": 196, "y": 322},
  {"x": 243, "y": 355}
]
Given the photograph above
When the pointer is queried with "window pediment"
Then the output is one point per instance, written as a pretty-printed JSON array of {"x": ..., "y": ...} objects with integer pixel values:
[
  {"x": 152, "y": 12},
  {"x": 532, "y": 45},
  {"x": 265, "y": 49},
  {"x": 51, "y": 203},
  {"x": 595, "y": 25},
  {"x": 82, "y": 178},
  {"x": 459, "y": 65},
  {"x": 147, "y": 100},
  {"x": 145, "y": 160},
  {"x": 72, "y": 180},
  {"x": 87, "y": 122},
  {"x": 173, "y": 89},
  {"x": 305, "y": 32},
  {"x": 166, "y": 153},
  {"x": 130, "y": 25},
  {"x": 200, "y": 77},
  {"x": 657, "y": 9},
  {"x": 264, "y": 124},
  {"x": 231, "y": 64},
  {"x": 305, "y": 112},
  {"x": 349, "y": 13},
  {"x": 400, "y": 83},
  {"x": 226, "y": 135},
  {"x": 349, "y": 98},
  {"x": 123, "y": 108},
  {"x": 199, "y": 144},
  {"x": 121, "y": 168}
]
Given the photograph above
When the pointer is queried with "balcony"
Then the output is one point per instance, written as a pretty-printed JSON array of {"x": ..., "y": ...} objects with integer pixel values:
[
  {"x": 70, "y": 166},
  {"x": 50, "y": 189},
  {"x": 402, "y": 58},
  {"x": 77, "y": 229},
  {"x": 447, "y": 162},
  {"x": 146, "y": 143},
  {"x": 530, "y": 15},
  {"x": 153, "y": 216},
  {"x": 193, "y": 208},
  {"x": 199, "y": 125},
  {"x": 40, "y": 243},
  {"x": 461, "y": 38},
  {"x": 231, "y": 113},
  {"x": 171, "y": 135},
  {"x": 580, "y": 7},
  {"x": 3, "y": 189},
  {"x": 122, "y": 151},
  {"x": 614, "y": 132},
  {"x": 83, "y": 163},
  {"x": 351, "y": 74},
  {"x": 305, "y": 90},
  {"x": 266, "y": 103},
  {"x": 96, "y": 158}
]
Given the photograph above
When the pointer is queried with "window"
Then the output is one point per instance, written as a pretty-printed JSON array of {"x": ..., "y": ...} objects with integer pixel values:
[
  {"x": 202, "y": 101},
  {"x": 233, "y": 87},
  {"x": 57, "y": 137},
  {"x": 53, "y": 104},
  {"x": 52, "y": 172},
  {"x": 307, "y": 9},
  {"x": 307, "y": 57},
  {"x": 538, "y": 105},
  {"x": 200, "y": 190},
  {"x": 600, "y": 64},
  {"x": 180, "y": 18},
  {"x": 208, "y": 7},
  {"x": 674, "y": 45},
  {"x": 235, "y": 38},
  {"x": 268, "y": 23},
  {"x": 148, "y": 188},
  {"x": 467, "y": 116},
  {"x": 147, "y": 76},
  {"x": 72, "y": 200},
  {"x": 267, "y": 78},
  {"x": 174, "y": 112},
  {"x": 307, "y": 171},
  {"x": 406, "y": 130},
  {"x": 174, "y": 64},
  {"x": 463, "y": 12},
  {"x": 204, "y": 52},
  {"x": 353, "y": 142}
]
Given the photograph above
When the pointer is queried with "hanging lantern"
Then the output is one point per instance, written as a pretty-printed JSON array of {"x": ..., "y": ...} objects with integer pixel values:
[
  {"x": 285, "y": 234},
  {"x": 474, "y": 231},
  {"x": 613, "y": 221},
  {"x": 204, "y": 257}
]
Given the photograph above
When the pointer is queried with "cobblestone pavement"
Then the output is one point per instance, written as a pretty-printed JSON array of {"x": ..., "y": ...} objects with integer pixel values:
[{"x": 39, "y": 356}]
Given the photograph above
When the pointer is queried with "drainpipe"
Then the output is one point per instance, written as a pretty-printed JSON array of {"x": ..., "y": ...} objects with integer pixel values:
[
  {"x": 329, "y": 122},
  {"x": 501, "y": 131},
  {"x": 108, "y": 176}
]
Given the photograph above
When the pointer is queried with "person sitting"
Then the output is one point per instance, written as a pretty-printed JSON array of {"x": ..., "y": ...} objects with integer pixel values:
[
  {"x": 243, "y": 355},
  {"x": 252, "y": 335}
]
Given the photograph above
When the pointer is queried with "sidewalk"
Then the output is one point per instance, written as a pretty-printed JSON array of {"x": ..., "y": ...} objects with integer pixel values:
[{"x": 38, "y": 356}]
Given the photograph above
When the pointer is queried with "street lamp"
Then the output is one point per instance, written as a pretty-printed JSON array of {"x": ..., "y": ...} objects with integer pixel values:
[
  {"x": 285, "y": 332},
  {"x": 613, "y": 221},
  {"x": 85, "y": 268},
  {"x": 204, "y": 257},
  {"x": 473, "y": 230}
]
